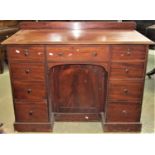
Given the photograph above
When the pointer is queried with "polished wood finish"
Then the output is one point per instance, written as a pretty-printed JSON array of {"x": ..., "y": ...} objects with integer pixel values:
[
  {"x": 29, "y": 90},
  {"x": 123, "y": 112},
  {"x": 125, "y": 90},
  {"x": 128, "y": 52},
  {"x": 28, "y": 71},
  {"x": 26, "y": 53},
  {"x": 78, "y": 53},
  {"x": 127, "y": 70},
  {"x": 31, "y": 112},
  {"x": 78, "y": 88},
  {"x": 95, "y": 36},
  {"x": 78, "y": 25},
  {"x": 62, "y": 73}
]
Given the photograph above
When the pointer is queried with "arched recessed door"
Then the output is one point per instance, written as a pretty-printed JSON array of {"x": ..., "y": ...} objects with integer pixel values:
[{"x": 77, "y": 88}]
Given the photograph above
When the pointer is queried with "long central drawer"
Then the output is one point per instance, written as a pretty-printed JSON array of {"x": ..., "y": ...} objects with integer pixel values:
[{"x": 77, "y": 53}]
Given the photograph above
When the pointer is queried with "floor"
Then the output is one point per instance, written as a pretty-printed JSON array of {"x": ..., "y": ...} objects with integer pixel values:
[{"x": 147, "y": 118}]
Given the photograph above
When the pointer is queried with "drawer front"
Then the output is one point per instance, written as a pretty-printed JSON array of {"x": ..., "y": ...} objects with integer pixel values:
[
  {"x": 29, "y": 90},
  {"x": 27, "y": 71},
  {"x": 123, "y": 112},
  {"x": 127, "y": 70},
  {"x": 128, "y": 52},
  {"x": 125, "y": 90},
  {"x": 26, "y": 112},
  {"x": 76, "y": 53},
  {"x": 26, "y": 53}
]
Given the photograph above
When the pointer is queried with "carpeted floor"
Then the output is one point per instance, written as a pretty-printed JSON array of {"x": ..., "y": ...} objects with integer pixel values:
[{"x": 7, "y": 114}]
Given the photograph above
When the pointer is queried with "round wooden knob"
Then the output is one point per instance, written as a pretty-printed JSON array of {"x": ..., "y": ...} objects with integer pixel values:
[
  {"x": 94, "y": 54},
  {"x": 60, "y": 54},
  {"x": 26, "y": 52},
  {"x": 29, "y": 91},
  {"x": 27, "y": 71},
  {"x": 30, "y": 112},
  {"x": 126, "y": 70},
  {"x": 125, "y": 91},
  {"x": 124, "y": 111},
  {"x": 128, "y": 53},
  {"x": 86, "y": 117}
]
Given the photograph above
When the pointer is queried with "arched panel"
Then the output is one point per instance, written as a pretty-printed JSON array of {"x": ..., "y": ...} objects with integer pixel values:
[{"x": 78, "y": 88}]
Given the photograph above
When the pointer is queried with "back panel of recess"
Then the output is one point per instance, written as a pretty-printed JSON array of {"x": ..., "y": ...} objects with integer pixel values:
[{"x": 78, "y": 88}]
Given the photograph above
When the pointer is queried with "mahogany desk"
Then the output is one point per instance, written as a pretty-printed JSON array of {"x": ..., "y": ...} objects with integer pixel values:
[{"x": 77, "y": 71}]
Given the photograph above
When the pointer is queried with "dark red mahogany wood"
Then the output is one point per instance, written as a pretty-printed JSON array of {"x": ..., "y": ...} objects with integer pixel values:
[
  {"x": 77, "y": 71},
  {"x": 78, "y": 25},
  {"x": 78, "y": 88}
]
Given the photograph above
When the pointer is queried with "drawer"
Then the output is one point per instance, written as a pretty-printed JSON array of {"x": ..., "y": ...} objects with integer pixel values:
[
  {"x": 123, "y": 112},
  {"x": 78, "y": 53},
  {"x": 29, "y": 90},
  {"x": 26, "y": 53},
  {"x": 128, "y": 52},
  {"x": 25, "y": 112},
  {"x": 27, "y": 71},
  {"x": 127, "y": 70},
  {"x": 125, "y": 90}
]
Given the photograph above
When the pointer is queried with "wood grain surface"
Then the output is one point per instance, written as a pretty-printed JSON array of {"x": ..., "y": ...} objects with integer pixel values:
[{"x": 77, "y": 37}]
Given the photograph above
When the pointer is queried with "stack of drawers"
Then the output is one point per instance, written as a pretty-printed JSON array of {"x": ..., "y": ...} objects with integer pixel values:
[
  {"x": 127, "y": 72},
  {"x": 125, "y": 65},
  {"x": 27, "y": 71}
]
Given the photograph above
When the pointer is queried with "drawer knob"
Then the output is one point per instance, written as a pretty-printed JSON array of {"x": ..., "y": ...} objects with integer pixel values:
[
  {"x": 125, "y": 91},
  {"x": 30, "y": 113},
  {"x": 29, "y": 91},
  {"x": 60, "y": 54},
  {"x": 86, "y": 117},
  {"x": 26, "y": 52},
  {"x": 124, "y": 111},
  {"x": 27, "y": 71},
  {"x": 94, "y": 54},
  {"x": 128, "y": 53},
  {"x": 126, "y": 70}
]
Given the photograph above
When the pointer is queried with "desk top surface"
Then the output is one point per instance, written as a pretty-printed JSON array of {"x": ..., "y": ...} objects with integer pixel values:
[{"x": 57, "y": 36}]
